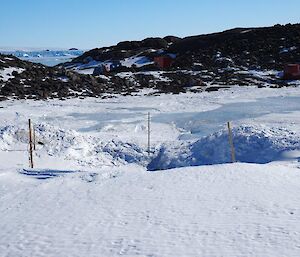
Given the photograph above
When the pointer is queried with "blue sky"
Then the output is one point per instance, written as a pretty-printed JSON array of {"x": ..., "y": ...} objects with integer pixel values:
[{"x": 95, "y": 23}]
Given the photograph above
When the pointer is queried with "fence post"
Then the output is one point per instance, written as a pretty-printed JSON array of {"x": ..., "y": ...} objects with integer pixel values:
[
  {"x": 231, "y": 142},
  {"x": 34, "y": 141},
  {"x": 148, "y": 149},
  {"x": 30, "y": 144}
]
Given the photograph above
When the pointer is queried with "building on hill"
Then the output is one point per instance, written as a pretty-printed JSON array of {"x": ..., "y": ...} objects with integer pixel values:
[
  {"x": 112, "y": 65},
  {"x": 291, "y": 71},
  {"x": 106, "y": 67},
  {"x": 164, "y": 61}
]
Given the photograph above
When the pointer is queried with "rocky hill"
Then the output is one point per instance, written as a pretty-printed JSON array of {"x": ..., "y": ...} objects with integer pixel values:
[
  {"x": 22, "y": 79},
  {"x": 257, "y": 48},
  {"x": 241, "y": 56}
]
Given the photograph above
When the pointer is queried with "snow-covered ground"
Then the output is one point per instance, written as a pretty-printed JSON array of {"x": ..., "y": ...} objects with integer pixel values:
[
  {"x": 88, "y": 68},
  {"x": 95, "y": 191},
  {"x": 6, "y": 73}
]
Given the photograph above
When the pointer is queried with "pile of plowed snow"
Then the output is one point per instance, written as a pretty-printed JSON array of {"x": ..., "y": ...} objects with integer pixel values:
[
  {"x": 82, "y": 149},
  {"x": 253, "y": 144}
]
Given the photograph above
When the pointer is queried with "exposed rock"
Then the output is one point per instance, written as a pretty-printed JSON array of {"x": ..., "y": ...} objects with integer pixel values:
[
  {"x": 172, "y": 39},
  {"x": 241, "y": 56}
]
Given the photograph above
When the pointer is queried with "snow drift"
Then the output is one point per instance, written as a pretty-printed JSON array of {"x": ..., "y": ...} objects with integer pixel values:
[
  {"x": 253, "y": 144},
  {"x": 70, "y": 145}
]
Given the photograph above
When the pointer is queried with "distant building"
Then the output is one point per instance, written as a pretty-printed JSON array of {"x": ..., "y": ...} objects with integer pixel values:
[
  {"x": 105, "y": 68},
  {"x": 291, "y": 71},
  {"x": 164, "y": 61},
  {"x": 102, "y": 69},
  {"x": 112, "y": 65}
]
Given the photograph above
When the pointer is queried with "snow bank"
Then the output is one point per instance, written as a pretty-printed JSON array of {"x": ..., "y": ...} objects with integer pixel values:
[
  {"x": 253, "y": 144},
  {"x": 70, "y": 145}
]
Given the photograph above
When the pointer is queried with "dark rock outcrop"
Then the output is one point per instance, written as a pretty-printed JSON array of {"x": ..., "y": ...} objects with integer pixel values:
[{"x": 241, "y": 56}]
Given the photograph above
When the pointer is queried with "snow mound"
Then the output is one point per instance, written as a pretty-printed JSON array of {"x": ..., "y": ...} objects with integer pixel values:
[
  {"x": 83, "y": 149},
  {"x": 253, "y": 144}
]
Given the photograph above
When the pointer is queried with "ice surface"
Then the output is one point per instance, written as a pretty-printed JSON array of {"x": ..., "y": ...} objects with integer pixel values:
[{"x": 48, "y": 57}]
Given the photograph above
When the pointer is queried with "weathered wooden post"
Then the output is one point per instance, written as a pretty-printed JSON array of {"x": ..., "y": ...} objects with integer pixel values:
[
  {"x": 34, "y": 140},
  {"x": 30, "y": 144},
  {"x": 148, "y": 134},
  {"x": 231, "y": 142}
]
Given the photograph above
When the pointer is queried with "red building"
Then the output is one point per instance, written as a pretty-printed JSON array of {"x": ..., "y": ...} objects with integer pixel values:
[
  {"x": 164, "y": 61},
  {"x": 292, "y": 71}
]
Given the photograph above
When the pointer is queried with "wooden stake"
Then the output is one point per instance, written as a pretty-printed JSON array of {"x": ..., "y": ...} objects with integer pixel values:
[
  {"x": 231, "y": 142},
  {"x": 30, "y": 144},
  {"x": 148, "y": 134},
  {"x": 34, "y": 141}
]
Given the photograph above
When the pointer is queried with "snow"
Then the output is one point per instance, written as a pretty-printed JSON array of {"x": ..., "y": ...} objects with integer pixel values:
[
  {"x": 158, "y": 75},
  {"x": 125, "y": 74},
  {"x": 253, "y": 144},
  {"x": 91, "y": 192},
  {"x": 226, "y": 210},
  {"x": 261, "y": 74},
  {"x": 103, "y": 77},
  {"x": 138, "y": 61},
  {"x": 86, "y": 71},
  {"x": 88, "y": 68},
  {"x": 224, "y": 59},
  {"x": 64, "y": 79},
  {"x": 289, "y": 49},
  {"x": 90, "y": 64},
  {"x": 246, "y": 31},
  {"x": 6, "y": 73}
]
